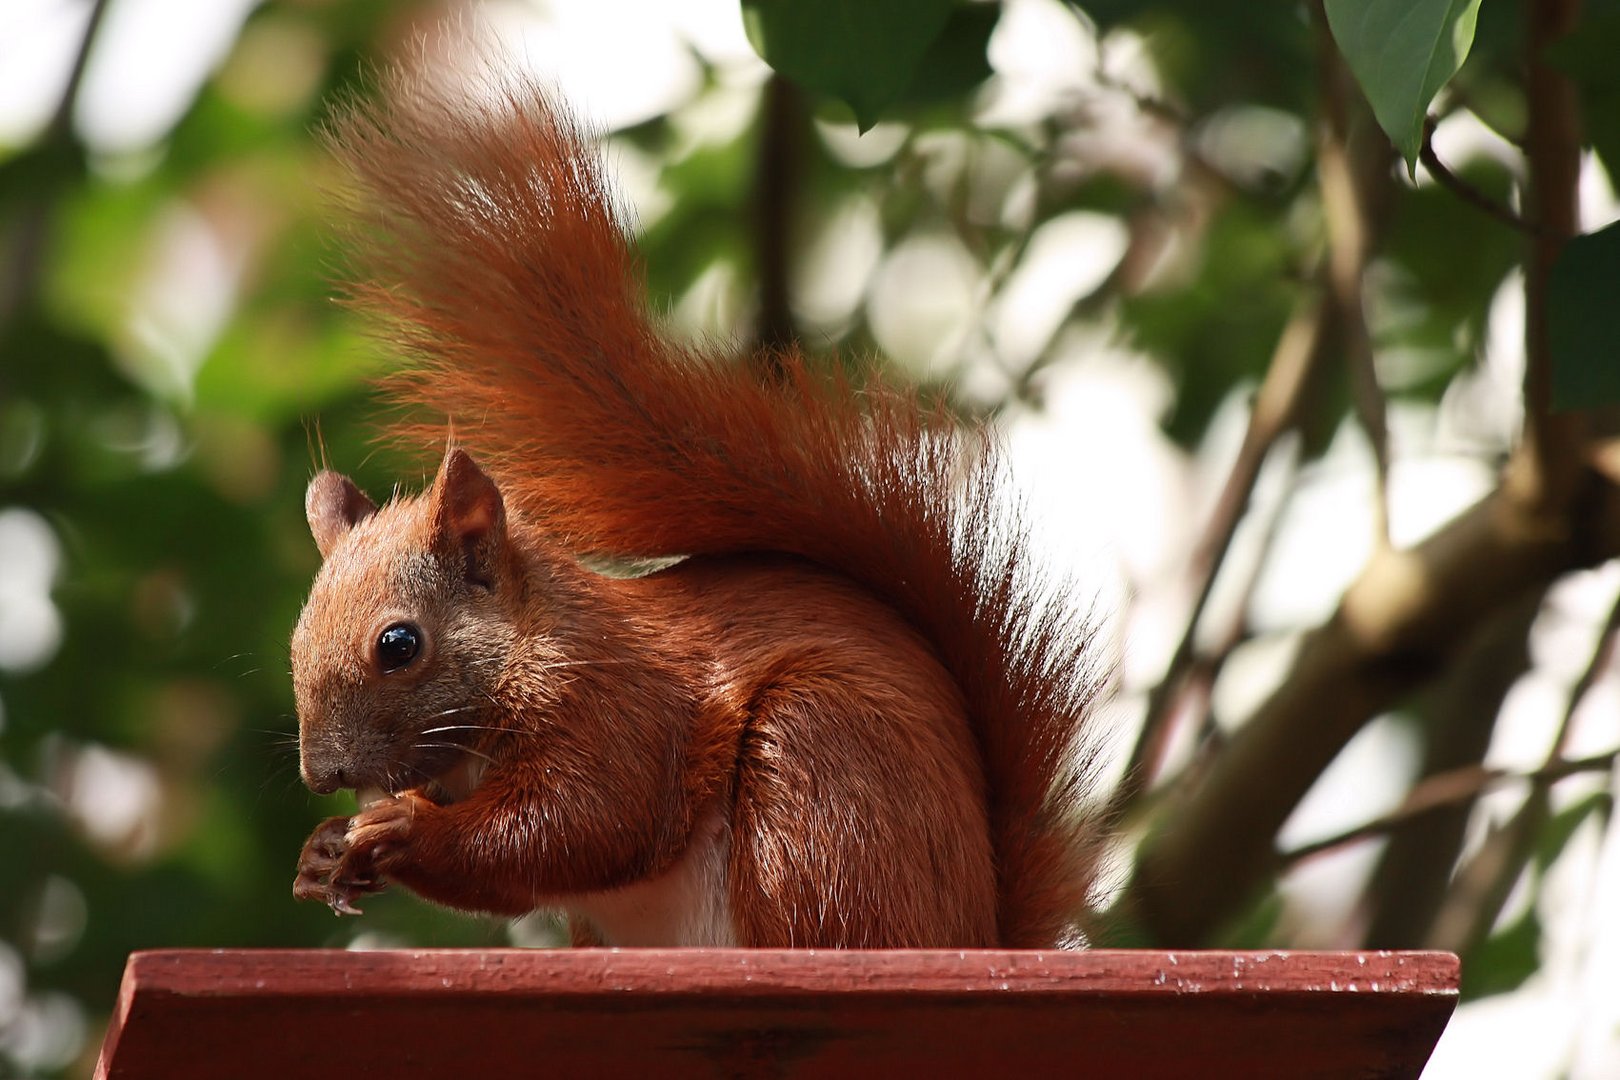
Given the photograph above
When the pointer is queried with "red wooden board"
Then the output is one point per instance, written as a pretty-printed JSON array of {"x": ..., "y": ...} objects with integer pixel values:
[{"x": 732, "y": 1012}]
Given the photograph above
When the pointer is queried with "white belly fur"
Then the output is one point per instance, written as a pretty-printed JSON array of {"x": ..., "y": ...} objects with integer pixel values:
[{"x": 686, "y": 905}]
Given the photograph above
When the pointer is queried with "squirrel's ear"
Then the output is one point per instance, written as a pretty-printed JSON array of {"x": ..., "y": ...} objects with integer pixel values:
[
  {"x": 333, "y": 506},
  {"x": 468, "y": 514}
]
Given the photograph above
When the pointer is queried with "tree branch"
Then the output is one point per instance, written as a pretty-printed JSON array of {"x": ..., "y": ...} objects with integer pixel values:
[
  {"x": 1482, "y": 885},
  {"x": 1396, "y": 625},
  {"x": 1544, "y": 473},
  {"x": 1408, "y": 611},
  {"x": 1355, "y": 195},
  {"x": 776, "y": 187},
  {"x": 1458, "y": 713}
]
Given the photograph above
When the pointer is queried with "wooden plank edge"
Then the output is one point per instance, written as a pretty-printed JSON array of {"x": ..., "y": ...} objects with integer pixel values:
[
  {"x": 751, "y": 973},
  {"x": 127, "y": 987}
]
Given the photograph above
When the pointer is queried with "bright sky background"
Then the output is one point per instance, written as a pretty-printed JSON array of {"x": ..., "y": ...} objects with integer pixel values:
[{"x": 1116, "y": 501}]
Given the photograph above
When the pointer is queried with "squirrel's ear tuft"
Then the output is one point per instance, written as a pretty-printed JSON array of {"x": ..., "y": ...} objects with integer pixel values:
[
  {"x": 468, "y": 514},
  {"x": 333, "y": 506}
]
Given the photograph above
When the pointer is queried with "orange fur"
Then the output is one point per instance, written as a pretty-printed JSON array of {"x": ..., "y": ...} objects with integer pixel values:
[{"x": 857, "y": 667}]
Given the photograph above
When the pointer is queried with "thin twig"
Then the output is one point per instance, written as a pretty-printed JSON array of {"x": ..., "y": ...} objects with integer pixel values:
[
  {"x": 1199, "y": 683},
  {"x": 1276, "y": 410},
  {"x": 1459, "y": 713},
  {"x": 1481, "y": 886},
  {"x": 1347, "y": 206},
  {"x": 1207, "y": 668},
  {"x": 1151, "y": 104},
  {"x": 1461, "y": 188},
  {"x": 27, "y": 245},
  {"x": 1602, "y": 656},
  {"x": 62, "y": 118},
  {"x": 1448, "y": 789}
]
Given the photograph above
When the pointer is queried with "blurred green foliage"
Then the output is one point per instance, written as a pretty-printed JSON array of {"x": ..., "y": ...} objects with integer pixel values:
[
  {"x": 176, "y": 502},
  {"x": 170, "y": 473}
]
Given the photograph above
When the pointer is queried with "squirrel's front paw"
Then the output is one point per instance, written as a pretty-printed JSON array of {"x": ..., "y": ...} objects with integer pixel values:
[
  {"x": 322, "y": 874},
  {"x": 349, "y": 857}
]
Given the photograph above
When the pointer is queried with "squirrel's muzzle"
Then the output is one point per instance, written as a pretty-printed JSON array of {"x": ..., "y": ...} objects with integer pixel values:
[{"x": 323, "y": 780}]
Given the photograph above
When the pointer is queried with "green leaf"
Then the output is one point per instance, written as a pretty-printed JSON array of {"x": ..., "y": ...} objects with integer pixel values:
[
  {"x": 1583, "y": 335},
  {"x": 1402, "y": 52},
  {"x": 958, "y": 60},
  {"x": 1556, "y": 835},
  {"x": 1503, "y": 962},
  {"x": 865, "y": 53}
]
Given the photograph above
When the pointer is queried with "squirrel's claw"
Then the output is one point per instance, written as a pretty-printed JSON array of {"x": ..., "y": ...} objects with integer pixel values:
[
  {"x": 326, "y": 872},
  {"x": 342, "y": 905}
]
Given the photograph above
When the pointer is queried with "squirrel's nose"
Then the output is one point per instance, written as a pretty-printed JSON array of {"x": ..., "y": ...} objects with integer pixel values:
[{"x": 324, "y": 780}]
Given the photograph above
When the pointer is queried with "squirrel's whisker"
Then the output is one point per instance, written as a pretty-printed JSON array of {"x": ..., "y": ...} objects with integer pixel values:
[
  {"x": 453, "y": 746},
  {"x": 475, "y": 727}
]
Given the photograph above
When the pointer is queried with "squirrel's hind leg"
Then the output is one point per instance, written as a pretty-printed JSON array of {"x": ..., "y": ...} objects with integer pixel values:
[{"x": 859, "y": 817}]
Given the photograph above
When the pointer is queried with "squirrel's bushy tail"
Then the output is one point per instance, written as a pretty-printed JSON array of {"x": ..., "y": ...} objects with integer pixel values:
[{"x": 494, "y": 251}]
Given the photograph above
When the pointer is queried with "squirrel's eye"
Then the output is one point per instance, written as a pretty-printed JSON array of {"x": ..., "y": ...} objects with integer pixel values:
[{"x": 398, "y": 646}]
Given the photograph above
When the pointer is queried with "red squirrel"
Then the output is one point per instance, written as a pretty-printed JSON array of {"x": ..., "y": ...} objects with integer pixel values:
[{"x": 851, "y": 715}]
